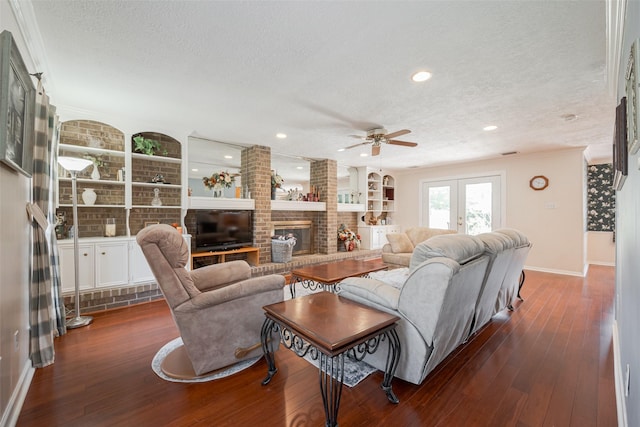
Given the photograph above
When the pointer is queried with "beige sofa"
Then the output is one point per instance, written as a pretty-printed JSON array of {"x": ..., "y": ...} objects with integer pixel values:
[
  {"x": 401, "y": 245},
  {"x": 447, "y": 293}
]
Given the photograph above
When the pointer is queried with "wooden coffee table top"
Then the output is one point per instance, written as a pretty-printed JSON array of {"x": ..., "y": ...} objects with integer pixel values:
[
  {"x": 330, "y": 323},
  {"x": 333, "y": 272}
]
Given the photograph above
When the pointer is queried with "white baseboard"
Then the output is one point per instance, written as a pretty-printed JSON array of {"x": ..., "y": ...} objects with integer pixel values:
[
  {"x": 621, "y": 403},
  {"x": 606, "y": 264},
  {"x": 552, "y": 270},
  {"x": 14, "y": 406}
]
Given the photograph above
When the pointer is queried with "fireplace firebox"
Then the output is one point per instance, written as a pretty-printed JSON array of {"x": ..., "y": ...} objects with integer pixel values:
[{"x": 301, "y": 230}]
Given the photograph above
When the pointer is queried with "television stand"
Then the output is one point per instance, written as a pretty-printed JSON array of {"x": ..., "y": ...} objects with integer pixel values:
[{"x": 253, "y": 255}]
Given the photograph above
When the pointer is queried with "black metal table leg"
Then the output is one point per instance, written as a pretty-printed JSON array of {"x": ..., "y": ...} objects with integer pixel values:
[
  {"x": 393, "y": 356},
  {"x": 267, "y": 348},
  {"x": 331, "y": 372},
  {"x": 522, "y": 277}
]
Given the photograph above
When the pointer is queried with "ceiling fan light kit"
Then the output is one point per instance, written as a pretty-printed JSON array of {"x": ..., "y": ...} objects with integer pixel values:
[{"x": 377, "y": 136}]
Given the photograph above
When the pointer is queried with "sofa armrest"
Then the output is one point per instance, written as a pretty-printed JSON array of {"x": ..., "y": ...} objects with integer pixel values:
[
  {"x": 372, "y": 290},
  {"x": 386, "y": 249},
  {"x": 218, "y": 275},
  {"x": 244, "y": 288}
]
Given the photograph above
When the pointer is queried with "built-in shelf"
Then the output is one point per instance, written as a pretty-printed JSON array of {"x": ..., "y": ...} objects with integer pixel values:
[
  {"x": 93, "y": 181},
  {"x": 351, "y": 207},
  {"x": 90, "y": 150},
  {"x": 80, "y": 205},
  {"x": 288, "y": 205},
  {"x": 155, "y": 158},
  {"x": 221, "y": 203},
  {"x": 156, "y": 207},
  {"x": 155, "y": 184}
]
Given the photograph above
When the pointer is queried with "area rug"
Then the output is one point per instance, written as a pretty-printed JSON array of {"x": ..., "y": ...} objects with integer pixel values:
[
  {"x": 171, "y": 345},
  {"x": 354, "y": 371}
]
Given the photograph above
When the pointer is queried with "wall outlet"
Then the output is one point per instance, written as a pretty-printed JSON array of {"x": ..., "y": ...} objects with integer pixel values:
[
  {"x": 16, "y": 340},
  {"x": 550, "y": 205}
]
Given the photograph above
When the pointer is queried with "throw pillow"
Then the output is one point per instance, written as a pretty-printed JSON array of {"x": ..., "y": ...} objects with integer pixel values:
[{"x": 400, "y": 243}]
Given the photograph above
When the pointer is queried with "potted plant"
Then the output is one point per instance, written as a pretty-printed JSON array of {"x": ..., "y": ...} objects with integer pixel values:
[{"x": 147, "y": 146}]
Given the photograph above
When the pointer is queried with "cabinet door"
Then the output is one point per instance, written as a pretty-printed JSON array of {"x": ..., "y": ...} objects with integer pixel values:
[
  {"x": 85, "y": 267},
  {"x": 139, "y": 269},
  {"x": 366, "y": 237},
  {"x": 112, "y": 264}
]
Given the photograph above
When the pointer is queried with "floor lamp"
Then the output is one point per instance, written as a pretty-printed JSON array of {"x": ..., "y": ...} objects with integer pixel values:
[{"x": 75, "y": 165}]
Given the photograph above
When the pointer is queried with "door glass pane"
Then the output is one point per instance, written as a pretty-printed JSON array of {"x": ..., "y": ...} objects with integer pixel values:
[
  {"x": 478, "y": 208},
  {"x": 439, "y": 207}
]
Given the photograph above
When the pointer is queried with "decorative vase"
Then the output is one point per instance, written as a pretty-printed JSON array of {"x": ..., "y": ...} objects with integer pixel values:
[
  {"x": 273, "y": 193},
  {"x": 156, "y": 198},
  {"x": 89, "y": 196},
  {"x": 346, "y": 245},
  {"x": 217, "y": 191},
  {"x": 95, "y": 173}
]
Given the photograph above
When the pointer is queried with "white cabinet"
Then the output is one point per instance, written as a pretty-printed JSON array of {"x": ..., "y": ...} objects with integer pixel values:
[
  {"x": 101, "y": 263},
  {"x": 112, "y": 261},
  {"x": 375, "y": 236},
  {"x": 85, "y": 266},
  {"x": 139, "y": 270}
]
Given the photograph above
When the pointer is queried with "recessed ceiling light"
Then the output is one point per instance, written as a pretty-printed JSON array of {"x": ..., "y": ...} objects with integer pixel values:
[
  {"x": 490, "y": 127},
  {"x": 194, "y": 170},
  {"x": 363, "y": 154},
  {"x": 341, "y": 149},
  {"x": 421, "y": 76},
  {"x": 228, "y": 157},
  {"x": 281, "y": 135},
  {"x": 569, "y": 117},
  {"x": 298, "y": 167}
]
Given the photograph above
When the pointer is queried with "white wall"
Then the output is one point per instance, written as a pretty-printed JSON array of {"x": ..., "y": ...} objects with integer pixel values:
[
  {"x": 627, "y": 299},
  {"x": 15, "y": 263},
  {"x": 526, "y": 209}
]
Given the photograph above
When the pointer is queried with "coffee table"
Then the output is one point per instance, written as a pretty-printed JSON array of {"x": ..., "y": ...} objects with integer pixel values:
[
  {"x": 327, "y": 276},
  {"x": 322, "y": 326}
]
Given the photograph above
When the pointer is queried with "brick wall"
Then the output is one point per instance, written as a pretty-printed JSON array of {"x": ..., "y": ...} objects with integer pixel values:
[
  {"x": 323, "y": 176},
  {"x": 256, "y": 175}
]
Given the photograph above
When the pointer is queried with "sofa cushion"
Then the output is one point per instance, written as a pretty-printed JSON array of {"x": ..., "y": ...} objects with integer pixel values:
[
  {"x": 400, "y": 243},
  {"x": 461, "y": 248},
  {"x": 418, "y": 235},
  {"x": 403, "y": 259}
]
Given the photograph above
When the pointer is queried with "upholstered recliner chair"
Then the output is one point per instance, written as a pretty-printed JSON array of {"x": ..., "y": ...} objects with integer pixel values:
[{"x": 218, "y": 308}]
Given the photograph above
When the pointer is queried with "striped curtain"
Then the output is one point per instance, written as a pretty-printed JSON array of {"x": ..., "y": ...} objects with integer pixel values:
[{"x": 41, "y": 318}]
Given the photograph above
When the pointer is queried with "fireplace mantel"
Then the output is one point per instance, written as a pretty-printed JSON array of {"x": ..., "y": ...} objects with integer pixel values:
[
  {"x": 221, "y": 203},
  {"x": 288, "y": 205}
]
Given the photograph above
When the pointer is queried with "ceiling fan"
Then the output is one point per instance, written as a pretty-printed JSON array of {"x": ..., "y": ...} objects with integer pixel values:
[{"x": 378, "y": 136}]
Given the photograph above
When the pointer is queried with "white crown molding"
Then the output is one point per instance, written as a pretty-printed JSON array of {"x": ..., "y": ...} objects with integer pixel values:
[
  {"x": 28, "y": 25},
  {"x": 615, "y": 15}
]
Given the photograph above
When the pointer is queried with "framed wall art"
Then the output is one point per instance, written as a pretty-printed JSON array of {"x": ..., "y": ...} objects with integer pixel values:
[
  {"x": 17, "y": 106},
  {"x": 620, "y": 153},
  {"x": 632, "y": 77}
]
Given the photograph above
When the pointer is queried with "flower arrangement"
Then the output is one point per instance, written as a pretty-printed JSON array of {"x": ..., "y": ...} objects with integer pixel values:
[
  {"x": 276, "y": 180},
  {"x": 218, "y": 180},
  {"x": 345, "y": 234}
]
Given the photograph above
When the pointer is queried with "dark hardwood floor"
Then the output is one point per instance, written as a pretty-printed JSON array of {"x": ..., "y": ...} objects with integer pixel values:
[{"x": 548, "y": 363}]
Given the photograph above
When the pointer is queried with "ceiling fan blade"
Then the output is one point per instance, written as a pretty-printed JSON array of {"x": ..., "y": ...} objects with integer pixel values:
[
  {"x": 357, "y": 145},
  {"x": 357, "y": 136},
  {"x": 404, "y": 143},
  {"x": 375, "y": 150},
  {"x": 397, "y": 133}
]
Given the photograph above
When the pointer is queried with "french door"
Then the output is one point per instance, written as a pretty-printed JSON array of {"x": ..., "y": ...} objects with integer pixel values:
[{"x": 469, "y": 206}]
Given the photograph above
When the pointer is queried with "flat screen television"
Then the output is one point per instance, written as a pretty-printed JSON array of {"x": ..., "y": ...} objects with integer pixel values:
[{"x": 221, "y": 230}]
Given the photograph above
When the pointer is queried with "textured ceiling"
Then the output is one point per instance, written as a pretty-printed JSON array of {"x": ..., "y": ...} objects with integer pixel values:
[{"x": 321, "y": 71}]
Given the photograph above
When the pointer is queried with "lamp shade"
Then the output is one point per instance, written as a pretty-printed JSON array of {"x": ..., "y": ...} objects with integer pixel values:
[{"x": 73, "y": 164}]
